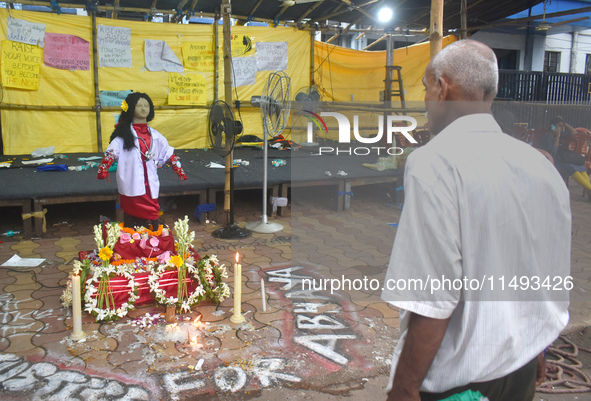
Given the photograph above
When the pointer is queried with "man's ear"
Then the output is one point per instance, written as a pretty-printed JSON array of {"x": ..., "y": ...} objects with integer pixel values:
[{"x": 443, "y": 88}]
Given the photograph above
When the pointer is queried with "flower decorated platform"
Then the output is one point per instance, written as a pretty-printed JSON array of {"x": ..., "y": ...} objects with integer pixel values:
[{"x": 138, "y": 266}]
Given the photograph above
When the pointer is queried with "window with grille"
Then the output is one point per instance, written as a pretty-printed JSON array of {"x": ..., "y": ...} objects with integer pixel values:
[
  {"x": 588, "y": 64},
  {"x": 552, "y": 61}
]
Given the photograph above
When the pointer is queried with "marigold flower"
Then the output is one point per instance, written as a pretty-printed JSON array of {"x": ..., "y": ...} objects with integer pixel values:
[
  {"x": 176, "y": 260},
  {"x": 105, "y": 254},
  {"x": 124, "y": 106}
]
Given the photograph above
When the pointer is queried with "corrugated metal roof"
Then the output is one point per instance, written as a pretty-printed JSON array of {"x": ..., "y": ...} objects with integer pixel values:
[{"x": 407, "y": 13}]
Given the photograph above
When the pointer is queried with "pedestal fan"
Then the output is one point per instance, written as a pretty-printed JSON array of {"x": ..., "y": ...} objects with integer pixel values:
[
  {"x": 274, "y": 104},
  {"x": 223, "y": 130}
]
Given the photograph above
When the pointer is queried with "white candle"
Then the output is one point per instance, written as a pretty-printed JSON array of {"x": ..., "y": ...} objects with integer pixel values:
[
  {"x": 263, "y": 295},
  {"x": 77, "y": 333},
  {"x": 237, "y": 316}
]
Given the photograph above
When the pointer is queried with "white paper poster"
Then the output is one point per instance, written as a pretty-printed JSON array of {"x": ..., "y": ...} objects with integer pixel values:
[
  {"x": 245, "y": 70},
  {"x": 272, "y": 56},
  {"x": 114, "y": 46},
  {"x": 25, "y": 32},
  {"x": 160, "y": 57}
]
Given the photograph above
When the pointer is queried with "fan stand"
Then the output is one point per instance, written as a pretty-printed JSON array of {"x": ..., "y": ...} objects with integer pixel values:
[
  {"x": 231, "y": 230},
  {"x": 264, "y": 226}
]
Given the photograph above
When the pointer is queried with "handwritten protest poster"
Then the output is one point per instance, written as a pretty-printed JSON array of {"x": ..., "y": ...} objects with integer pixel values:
[
  {"x": 25, "y": 32},
  {"x": 160, "y": 57},
  {"x": 66, "y": 52},
  {"x": 241, "y": 45},
  {"x": 272, "y": 56},
  {"x": 114, "y": 46},
  {"x": 20, "y": 65},
  {"x": 187, "y": 89},
  {"x": 198, "y": 55},
  {"x": 245, "y": 70},
  {"x": 113, "y": 98}
]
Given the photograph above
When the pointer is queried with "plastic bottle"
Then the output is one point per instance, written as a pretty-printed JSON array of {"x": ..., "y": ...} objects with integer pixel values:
[
  {"x": 11, "y": 233},
  {"x": 78, "y": 168}
]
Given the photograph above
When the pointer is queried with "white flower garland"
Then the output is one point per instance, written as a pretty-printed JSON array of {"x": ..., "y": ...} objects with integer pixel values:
[
  {"x": 91, "y": 288},
  {"x": 213, "y": 273},
  {"x": 207, "y": 273},
  {"x": 160, "y": 295}
]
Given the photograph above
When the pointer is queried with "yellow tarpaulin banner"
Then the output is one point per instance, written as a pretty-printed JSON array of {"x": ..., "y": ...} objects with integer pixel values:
[
  {"x": 20, "y": 65},
  {"x": 75, "y": 131},
  {"x": 342, "y": 74}
]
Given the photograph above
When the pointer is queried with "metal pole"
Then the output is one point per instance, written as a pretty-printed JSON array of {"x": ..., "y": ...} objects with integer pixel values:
[
  {"x": 265, "y": 170},
  {"x": 389, "y": 63},
  {"x": 97, "y": 93},
  {"x": 226, "y": 9},
  {"x": 436, "y": 26},
  {"x": 464, "y": 19}
]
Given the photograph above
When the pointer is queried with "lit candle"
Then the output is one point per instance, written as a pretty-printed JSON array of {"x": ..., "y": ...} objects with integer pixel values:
[
  {"x": 237, "y": 316},
  {"x": 77, "y": 333}
]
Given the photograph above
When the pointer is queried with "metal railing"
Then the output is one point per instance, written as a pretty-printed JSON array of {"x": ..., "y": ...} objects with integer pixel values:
[{"x": 534, "y": 98}]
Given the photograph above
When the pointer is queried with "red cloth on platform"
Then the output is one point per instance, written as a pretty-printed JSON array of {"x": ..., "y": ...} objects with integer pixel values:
[
  {"x": 168, "y": 282},
  {"x": 139, "y": 249}
]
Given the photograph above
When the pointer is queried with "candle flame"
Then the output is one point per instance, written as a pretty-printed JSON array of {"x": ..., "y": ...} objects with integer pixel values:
[
  {"x": 237, "y": 257},
  {"x": 172, "y": 327},
  {"x": 196, "y": 322}
]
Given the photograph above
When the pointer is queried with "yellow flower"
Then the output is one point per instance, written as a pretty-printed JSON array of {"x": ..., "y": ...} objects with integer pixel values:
[
  {"x": 124, "y": 106},
  {"x": 105, "y": 254},
  {"x": 176, "y": 260}
]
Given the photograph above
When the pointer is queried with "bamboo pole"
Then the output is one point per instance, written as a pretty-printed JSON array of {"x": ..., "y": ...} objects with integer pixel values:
[
  {"x": 333, "y": 37},
  {"x": 240, "y": 17},
  {"x": 228, "y": 98},
  {"x": 308, "y": 11},
  {"x": 396, "y": 31},
  {"x": 143, "y": 11},
  {"x": 254, "y": 8},
  {"x": 116, "y": 9},
  {"x": 97, "y": 92},
  {"x": 312, "y": 40},
  {"x": 436, "y": 27},
  {"x": 216, "y": 59},
  {"x": 375, "y": 42},
  {"x": 9, "y": 106}
]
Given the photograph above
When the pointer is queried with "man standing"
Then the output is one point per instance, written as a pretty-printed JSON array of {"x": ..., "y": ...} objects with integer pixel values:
[{"x": 485, "y": 230}]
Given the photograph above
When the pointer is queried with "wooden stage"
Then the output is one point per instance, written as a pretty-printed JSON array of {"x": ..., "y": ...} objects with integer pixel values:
[{"x": 31, "y": 190}]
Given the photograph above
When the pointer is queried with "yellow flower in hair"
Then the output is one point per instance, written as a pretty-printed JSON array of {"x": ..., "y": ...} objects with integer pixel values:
[
  {"x": 124, "y": 105},
  {"x": 176, "y": 260},
  {"x": 105, "y": 254}
]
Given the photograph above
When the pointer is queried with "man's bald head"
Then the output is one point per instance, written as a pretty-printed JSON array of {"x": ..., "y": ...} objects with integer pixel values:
[{"x": 469, "y": 65}]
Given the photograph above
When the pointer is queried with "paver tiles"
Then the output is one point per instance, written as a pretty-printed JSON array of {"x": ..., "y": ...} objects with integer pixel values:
[{"x": 313, "y": 343}]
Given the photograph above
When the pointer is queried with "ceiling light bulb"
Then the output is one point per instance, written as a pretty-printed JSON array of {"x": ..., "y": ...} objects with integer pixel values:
[{"x": 385, "y": 14}]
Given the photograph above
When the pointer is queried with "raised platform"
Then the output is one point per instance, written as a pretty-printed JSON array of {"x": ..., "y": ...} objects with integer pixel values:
[{"x": 30, "y": 189}]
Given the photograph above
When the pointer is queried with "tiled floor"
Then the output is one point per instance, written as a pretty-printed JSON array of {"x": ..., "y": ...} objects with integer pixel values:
[{"x": 327, "y": 342}]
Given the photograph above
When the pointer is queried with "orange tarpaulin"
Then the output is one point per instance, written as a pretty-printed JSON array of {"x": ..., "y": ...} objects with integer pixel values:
[{"x": 354, "y": 75}]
